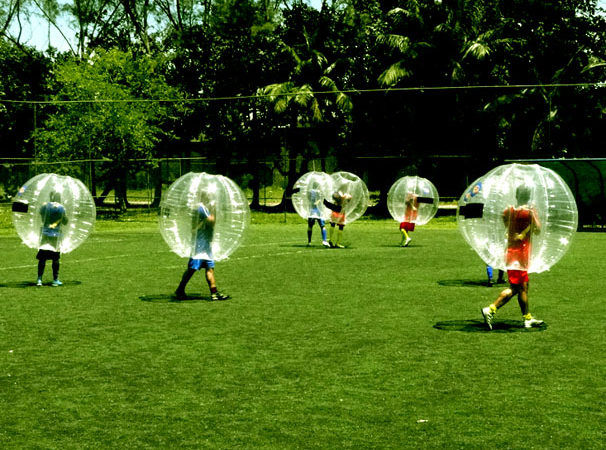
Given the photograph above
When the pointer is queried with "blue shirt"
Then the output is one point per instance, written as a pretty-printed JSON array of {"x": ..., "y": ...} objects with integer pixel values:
[{"x": 53, "y": 216}]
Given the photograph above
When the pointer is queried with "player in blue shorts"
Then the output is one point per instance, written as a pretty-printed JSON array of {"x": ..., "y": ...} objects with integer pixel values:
[
  {"x": 53, "y": 218},
  {"x": 203, "y": 228},
  {"x": 315, "y": 199}
]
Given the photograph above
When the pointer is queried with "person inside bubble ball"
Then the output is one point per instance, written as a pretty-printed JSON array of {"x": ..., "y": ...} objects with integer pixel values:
[
  {"x": 53, "y": 218},
  {"x": 203, "y": 225},
  {"x": 411, "y": 204},
  {"x": 315, "y": 199},
  {"x": 521, "y": 222},
  {"x": 337, "y": 217},
  {"x": 474, "y": 191}
]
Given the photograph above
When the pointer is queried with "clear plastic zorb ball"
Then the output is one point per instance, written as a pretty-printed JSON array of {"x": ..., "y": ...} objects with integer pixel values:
[
  {"x": 349, "y": 198},
  {"x": 309, "y": 193},
  {"x": 53, "y": 212},
  {"x": 413, "y": 199},
  {"x": 518, "y": 217},
  {"x": 204, "y": 216}
]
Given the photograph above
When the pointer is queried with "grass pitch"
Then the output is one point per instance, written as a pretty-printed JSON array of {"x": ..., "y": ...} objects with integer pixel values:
[{"x": 372, "y": 346}]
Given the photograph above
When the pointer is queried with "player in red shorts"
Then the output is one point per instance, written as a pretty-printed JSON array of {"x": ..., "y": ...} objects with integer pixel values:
[
  {"x": 410, "y": 215},
  {"x": 522, "y": 222}
]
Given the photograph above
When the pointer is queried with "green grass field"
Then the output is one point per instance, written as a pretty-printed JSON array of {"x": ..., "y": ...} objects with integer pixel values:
[{"x": 372, "y": 346}]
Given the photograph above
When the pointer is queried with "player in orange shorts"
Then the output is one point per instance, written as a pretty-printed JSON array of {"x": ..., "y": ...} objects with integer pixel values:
[
  {"x": 522, "y": 222},
  {"x": 337, "y": 217}
]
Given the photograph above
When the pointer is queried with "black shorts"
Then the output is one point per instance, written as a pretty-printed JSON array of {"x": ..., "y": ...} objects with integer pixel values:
[{"x": 44, "y": 255}]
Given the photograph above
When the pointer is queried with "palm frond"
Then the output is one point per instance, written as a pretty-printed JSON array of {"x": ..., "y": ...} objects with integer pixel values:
[
  {"x": 395, "y": 41},
  {"x": 594, "y": 62},
  {"x": 316, "y": 110},
  {"x": 328, "y": 82},
  {"x": 479, "y": 50},
  {"x": 319, "y": 59},
  {"x": 395, "y": 73},
  {"x": 344, "y": 102},
  {"x": 302, "y": 95}
]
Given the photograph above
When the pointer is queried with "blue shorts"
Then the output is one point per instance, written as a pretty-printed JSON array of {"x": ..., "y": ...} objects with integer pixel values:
[
  {"x": 310, "y": 221},
  {"x": 197, "y": 264}
]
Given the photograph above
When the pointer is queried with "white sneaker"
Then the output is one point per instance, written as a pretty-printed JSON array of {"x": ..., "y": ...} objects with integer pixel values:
[
  {"x": 488, "y": 316},
  {"x": 532, "y": 322},
  {"x": 407, "y": 242},
  {"x": 39, "y": 282},
  {"x": 325, "y": 244}
]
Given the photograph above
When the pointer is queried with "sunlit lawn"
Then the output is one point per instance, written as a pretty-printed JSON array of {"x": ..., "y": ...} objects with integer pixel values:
[{"x": 370, "y": 346}]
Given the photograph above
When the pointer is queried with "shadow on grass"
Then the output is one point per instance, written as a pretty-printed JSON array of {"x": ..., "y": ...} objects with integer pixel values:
[
  {"x": 314, "y": 247},
  {"x": 29, "y": 284},
  {"x": 170, "y": 298},
  {"x": 478, "y": 326},
  {"x": 468, "y": 283}
]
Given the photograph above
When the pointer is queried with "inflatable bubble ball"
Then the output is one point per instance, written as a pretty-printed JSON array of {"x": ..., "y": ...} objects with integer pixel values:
[
  {"x": 204, "y": 216},
  {"x": 349, "y": 199},
  {"x": 53, "y": 212},
  {"x": 518, "y": 217},
  {"x": 310, "y": 191},
  {"x": 413, "y": 199}
]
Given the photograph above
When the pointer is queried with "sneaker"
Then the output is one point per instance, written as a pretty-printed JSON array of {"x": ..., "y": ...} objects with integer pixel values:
[
  {"x": 57, "y": 283},
  {"x": 219, "y": 296},
  {"x": 325, "y": 244},
  {"x": 532, "y": 322},
  {"x": 39, "y": 282},
  {"x": 488, "y": 316},
  {"x": 180, "y": 295},
  {"x": 406, "y": 242}
]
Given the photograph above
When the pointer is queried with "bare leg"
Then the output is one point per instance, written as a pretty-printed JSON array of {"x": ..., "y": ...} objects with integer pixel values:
[
  {"x": 523, "y": 298},
  {"x": 506, "y": 295},
  {"x": 210, "y": 279}
]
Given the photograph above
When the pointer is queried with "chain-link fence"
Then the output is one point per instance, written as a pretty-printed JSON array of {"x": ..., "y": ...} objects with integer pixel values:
[{"x": 144, "y": 181}]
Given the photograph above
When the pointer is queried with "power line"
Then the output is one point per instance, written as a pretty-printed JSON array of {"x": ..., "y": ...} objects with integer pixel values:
[{"x": 295, "y": 93}]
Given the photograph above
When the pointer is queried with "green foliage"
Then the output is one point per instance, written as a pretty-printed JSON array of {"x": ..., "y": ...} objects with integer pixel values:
[
  {"x": 108, "y": 106},
  {"x": 312, "y": 351},
  {"x": 24, "y": 75}
]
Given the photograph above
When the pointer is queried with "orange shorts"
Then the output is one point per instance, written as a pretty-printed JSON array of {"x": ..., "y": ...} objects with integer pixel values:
[{"x": 338, "y": 218}]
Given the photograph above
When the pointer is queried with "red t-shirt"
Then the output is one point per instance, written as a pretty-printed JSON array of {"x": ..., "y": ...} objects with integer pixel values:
[{"x": 521, "y": 223}]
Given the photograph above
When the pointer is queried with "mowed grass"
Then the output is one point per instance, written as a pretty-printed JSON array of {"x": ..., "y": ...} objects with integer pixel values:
[{"x": 372, "y": 346}]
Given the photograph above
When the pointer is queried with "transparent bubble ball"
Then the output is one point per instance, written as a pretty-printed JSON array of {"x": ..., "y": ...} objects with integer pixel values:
[
  {"x": 413, "y": 199},
  {"x": 309, "y": 193},
  {"x": 517, "y": 205},
  {"x": 54, "y": 212},
  {"x": 204, "y": 216},
  {"x": 349, "y": 190}
]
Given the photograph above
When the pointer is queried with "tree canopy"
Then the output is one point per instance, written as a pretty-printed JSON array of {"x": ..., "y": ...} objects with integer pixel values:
[{"x": 286, "y": 82}]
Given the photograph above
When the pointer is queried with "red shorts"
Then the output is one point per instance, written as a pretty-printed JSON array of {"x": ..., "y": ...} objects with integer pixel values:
[
  {"x": 517, "y": 276},
  {"x": 408, "y": 226}
]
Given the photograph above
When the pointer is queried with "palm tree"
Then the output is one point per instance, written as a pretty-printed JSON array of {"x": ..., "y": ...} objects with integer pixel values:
[{"x": 310, "y": 102}]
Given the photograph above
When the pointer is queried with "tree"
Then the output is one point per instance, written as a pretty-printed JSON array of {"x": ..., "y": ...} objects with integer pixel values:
[
  {"x": 312, "y": 104},
  {"x": 110, "y": 107}
]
